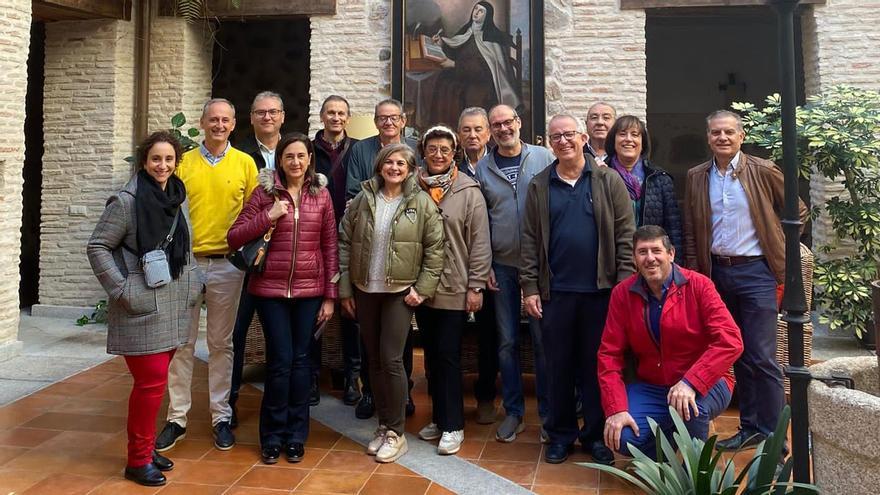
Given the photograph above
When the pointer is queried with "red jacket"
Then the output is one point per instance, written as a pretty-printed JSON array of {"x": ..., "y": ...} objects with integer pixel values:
[
  {"x": 699, "y": 340},
  {"x": 303, "y": 260}
]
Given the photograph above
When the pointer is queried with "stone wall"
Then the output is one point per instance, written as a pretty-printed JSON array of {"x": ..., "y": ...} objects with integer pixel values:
[
  {"x": 15, "y": 24},
  {"x": 88, "y": 106}
]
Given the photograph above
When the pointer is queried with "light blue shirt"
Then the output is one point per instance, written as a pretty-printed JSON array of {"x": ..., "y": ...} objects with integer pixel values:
[
  {"x": 733, "y": 233},
  {"x": 213, "y": 160},
  {"x": 268, "y": 155}
]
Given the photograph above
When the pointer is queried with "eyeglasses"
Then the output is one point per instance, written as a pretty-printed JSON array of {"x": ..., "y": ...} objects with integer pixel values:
[
  {"x": 271, "y": 113},
  {"x": 394, "y": 119},
  {"x": 444, "y": 151},
  {"x": 504, "y": 123},
  {"x": 557, "y": 138}
]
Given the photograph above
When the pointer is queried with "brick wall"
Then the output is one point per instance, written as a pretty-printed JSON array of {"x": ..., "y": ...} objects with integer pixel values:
[
  {"x": 15, "y": 24},
  {"x": 88, "y": 106}
]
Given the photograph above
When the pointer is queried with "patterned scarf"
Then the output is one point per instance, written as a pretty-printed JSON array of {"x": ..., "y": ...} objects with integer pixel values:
[
  {"x": 437, "y": 185},
  {"x": 632, "y": 182}
]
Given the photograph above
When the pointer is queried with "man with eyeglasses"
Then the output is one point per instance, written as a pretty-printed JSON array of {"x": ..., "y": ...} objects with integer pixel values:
[
  {"x": 576, "y": 246},
  {"x": 267, "y": 116},
  {"x": 600, "y": 118},
  {"x": 504, "y": 174}
]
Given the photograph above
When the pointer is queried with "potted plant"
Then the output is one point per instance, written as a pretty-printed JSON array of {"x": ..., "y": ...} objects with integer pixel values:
[{"x": 838, "y": 138}]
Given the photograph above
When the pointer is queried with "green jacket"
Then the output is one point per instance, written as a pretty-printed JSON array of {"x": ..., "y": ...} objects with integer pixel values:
[
  {"x": 615, "y": 226},
  {"x": 416, "y": 251}
]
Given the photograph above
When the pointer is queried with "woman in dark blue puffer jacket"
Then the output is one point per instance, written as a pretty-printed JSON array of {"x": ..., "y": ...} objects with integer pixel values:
[{"x": 650, "y": 188}]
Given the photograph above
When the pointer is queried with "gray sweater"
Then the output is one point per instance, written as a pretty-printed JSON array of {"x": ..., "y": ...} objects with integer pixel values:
[{"x": 506, "y": 204}]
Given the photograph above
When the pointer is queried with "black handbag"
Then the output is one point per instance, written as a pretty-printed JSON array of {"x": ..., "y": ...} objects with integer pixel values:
[{"x": 251, "y": 257}]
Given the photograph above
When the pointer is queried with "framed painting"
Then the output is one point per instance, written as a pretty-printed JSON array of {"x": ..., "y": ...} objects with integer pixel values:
[{"x": 448, "y": 55}]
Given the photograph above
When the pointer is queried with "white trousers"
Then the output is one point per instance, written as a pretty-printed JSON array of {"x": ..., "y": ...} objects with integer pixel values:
[{"x": 222, "y": 293}]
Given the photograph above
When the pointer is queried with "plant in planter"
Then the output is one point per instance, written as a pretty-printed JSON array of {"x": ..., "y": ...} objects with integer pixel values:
[
  {"x": 839, "y": 138},
  {"x": 699, "y": 471}
]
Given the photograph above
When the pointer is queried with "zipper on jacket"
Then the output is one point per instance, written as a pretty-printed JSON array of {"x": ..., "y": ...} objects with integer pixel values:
[{"x": 295, "y": 237}]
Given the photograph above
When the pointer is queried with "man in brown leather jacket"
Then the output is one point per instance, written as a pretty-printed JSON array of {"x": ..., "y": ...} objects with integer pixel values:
[{"x": 733, "y": 233}]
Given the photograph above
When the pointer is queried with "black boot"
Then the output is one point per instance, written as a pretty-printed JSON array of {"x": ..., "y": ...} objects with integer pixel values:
[
  {"x": 365, "y": 407},
  {"x": 148, "y": 475},
  {"x": 351, "y": 395}
]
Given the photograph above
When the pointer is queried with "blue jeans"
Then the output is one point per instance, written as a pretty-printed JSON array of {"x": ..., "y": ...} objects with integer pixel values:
[
  {"x": 508, "y": 306},
  {"x": 749, "y": 291},
  {"x": 287, "y": 328},
  {"x": 646, "y": 400}
]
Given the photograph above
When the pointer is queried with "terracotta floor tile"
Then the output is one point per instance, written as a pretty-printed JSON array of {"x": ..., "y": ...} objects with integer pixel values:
[
  {"x": 117, "y": 443},
  {"x": 240, "y": 454},
  {"x": 567, "y": 474},
  {"x": 88, "y": 405},
  {"x": 176, "y": 488},
  {"x": 471, "y": 449},
  {"x": 608, "y": 481},
  {"x": 67, "y": 389},
  {"x": 276, "y": 479},
  {"x": 395, "y": 468},
  {"x": 518, "y": 472},
  {"x": 15, "y": 415},
  {"x": 246, "y": 490},
  {"x": 77, "y": 422},
  {"x": 349, "y": 445},
  {"x": 109, "y": 391},
  {"x": 206, "y": 472},
  {"x": 98, "y": 466},
  {"x": 248, "y": 434},
  {"x": 532, "y": 434},
  {"x": 320, "y": 481},
  {"x": 26, "y": 437},
  {"x": 249, "y": 401},
  {"x": 122, "y": 486},
  {"x": 348, "y": 461},
  {"x": 91, "y": 377},
  {"x": 322, "y": 439},
  {"x": 9, "y": 453},
  {"x": 40, "y": 460},
  {"x": 73, "y": 441},
  {"x": 190, "y": 449},
  {"x": 564, "y": 490},
  {"x": 383, "y": 484},
  {"x": 63, "y": 484},
  {"x": 474, "y": 431},
  {"x": 309, "y": 461},
  {"x": 248, "y": 416},
  {"x": 436, "y": 489},
  {"x": 17, "y": 480},
  {"x": 516, "y": 451}
]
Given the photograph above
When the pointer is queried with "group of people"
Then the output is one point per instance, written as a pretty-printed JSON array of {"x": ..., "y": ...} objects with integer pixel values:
[{"x": 585, "y": 235}]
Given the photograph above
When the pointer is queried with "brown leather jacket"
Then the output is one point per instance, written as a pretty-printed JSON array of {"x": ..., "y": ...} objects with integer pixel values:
[{"x": 763, "y": 184}]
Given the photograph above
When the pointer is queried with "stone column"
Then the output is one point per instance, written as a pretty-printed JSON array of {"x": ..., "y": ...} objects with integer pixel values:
[
  {"x": 15, "y": 24},
  {"x": 88, "y": 107}
]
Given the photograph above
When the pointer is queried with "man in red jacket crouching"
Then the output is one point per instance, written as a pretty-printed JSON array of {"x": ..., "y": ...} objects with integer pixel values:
[{"x": 684, "y": 341}]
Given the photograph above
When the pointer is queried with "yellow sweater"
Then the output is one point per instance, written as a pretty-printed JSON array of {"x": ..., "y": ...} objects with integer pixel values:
[{"x": 216, "y": 195}]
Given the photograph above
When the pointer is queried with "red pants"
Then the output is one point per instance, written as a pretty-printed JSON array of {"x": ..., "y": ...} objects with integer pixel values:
[{"x": 150, "y": 374}]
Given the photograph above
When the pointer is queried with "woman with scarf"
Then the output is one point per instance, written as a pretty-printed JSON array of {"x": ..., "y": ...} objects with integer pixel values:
[
  {"x": 147, "y": 324},
  {"x": 390, "y": 257},
  {"x": 650, "y": 188},
  {"x": 467, "y": 262}
]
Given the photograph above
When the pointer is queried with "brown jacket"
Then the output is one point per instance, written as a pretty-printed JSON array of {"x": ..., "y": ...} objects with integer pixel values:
[
  {"x": 467, "y": 250},
  {"x": 763, "y": 185},
  {"x": 615, "y": 226}
]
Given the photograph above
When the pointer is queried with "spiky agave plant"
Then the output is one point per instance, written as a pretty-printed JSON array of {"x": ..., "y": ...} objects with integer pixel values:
[{"x": 699, "y": 471}]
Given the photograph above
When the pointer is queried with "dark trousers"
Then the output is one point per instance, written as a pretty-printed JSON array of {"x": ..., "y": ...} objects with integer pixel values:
[
  {"x": 351, "y": 350},
  {"x": 441, "y": 338},
  {"x": 572, "y": 330},
  {"x": 287, "y": 328},
  {"x": 150, "y": 374},
  {"x": 385, "y": 322},
  {"x": 749, "y": 291},
  {"x": 407, "y": 364},
  {"x": 246, "y": 308},
  {"x": 649, "y": 401},
  {"x": 487, "y": 350}
]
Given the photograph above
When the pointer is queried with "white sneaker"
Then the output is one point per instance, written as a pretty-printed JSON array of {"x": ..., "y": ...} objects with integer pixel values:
[
  {"x": 450, "y": 442},
  {"x": 394, "y": 447},
  {"x": 377, "y": 441},
  {"x": 430, "y": 432}
]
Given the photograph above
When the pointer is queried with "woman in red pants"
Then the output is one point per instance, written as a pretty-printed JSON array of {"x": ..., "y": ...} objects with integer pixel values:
[{"x": 148, "y": 317}]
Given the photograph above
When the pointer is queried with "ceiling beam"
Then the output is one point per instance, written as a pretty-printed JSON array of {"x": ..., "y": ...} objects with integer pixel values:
[
  {"x": 655, "y": 4},
  {"x": 250, "y": 9},
  {"x": 84, "y": 9}
]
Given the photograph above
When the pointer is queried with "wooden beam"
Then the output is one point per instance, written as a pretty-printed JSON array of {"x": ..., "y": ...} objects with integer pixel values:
[
  {"x": 85, "y": 9},
  {"x": 250, "y": 9},
  {"x": 657, "y": 4}
]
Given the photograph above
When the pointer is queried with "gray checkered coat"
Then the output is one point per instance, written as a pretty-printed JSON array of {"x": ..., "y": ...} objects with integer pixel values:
[{"x": 140, "y": 320}]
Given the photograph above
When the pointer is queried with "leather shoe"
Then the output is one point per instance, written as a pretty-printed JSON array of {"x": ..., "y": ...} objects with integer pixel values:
[
  {"x": 351, "y": 395},
  {"x": 410, "y": 406},
  {"x": 161, "y": 462},
  {"x": 742, "y": 440},
  {"x": 270, "y": 454},
  {"x": 556, "y": 453},
  {"x": 295, "y": 452},
  {"x": 601, "y": 454},
  {"x": 223, "y": 437},
  {"x": 314, "y": 393},
  {"x": 366, "y": 407},
  {"x": 148, "y": 475}
]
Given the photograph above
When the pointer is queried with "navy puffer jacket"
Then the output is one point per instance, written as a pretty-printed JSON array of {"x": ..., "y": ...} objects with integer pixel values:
[{"x": 659, "y": 206}]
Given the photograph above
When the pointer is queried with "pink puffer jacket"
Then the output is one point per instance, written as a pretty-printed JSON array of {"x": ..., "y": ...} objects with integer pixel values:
[{"x": 303, "y": 260}]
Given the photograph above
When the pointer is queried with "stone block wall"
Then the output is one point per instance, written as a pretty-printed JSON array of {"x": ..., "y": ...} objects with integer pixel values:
[
  {"x": 88, "y": 106},
  {"x": 15, "y": 24}
]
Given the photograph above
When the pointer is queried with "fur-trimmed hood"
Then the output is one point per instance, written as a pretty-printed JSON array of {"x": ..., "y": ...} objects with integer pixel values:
[{"x": 270, "y": 181}]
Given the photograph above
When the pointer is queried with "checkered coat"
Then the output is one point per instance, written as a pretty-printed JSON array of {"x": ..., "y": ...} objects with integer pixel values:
[{"x": 140, "y": 320}]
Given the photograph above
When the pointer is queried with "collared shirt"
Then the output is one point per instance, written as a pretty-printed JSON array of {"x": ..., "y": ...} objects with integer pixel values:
[
  {"x": 268, "y": 155},
  {"x": 600, "y": 156},
  {"x": 211, "y": 159},
  {"x": 573, "y": 247},
  {"x": 655, "y": 306},
  {"x": 733, "y": 233},
  {"x": 472, "y": 166}
]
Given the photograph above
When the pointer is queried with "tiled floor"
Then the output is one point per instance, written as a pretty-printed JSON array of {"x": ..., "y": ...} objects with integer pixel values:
[{"x": 69, "y": 438}]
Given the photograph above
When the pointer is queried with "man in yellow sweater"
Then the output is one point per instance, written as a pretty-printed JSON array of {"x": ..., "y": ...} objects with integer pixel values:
[{"x": 219, "y": 179}]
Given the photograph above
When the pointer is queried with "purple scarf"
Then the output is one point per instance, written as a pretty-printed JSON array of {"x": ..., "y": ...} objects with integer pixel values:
[{"x": 631, "y": 181}]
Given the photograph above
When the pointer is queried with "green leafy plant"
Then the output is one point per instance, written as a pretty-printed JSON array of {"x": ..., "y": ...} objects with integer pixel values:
[
  {"x": 99, "y": 315},
  {"x": 186, "y": 139},
  {"x": 838, "y": 137},
  {"x": 698, "y": 469}
]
